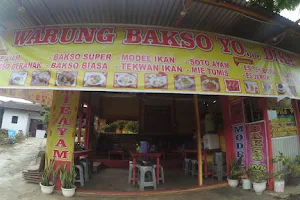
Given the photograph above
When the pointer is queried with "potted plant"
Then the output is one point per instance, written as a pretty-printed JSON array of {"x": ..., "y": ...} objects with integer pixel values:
[
  {"x": 294, "y": 171},
  {"x": 132, "y": 127},
  {"x": 113, "y": 127},
  {"x": 279, "y": 181},
  {"x": 48, "y": 178},
  {"x": 259, "y": 181},
  {"x": 67, "y": 178},
  {"x": 104, "y": 128},
  {"x": 247, "y": 185},
  {"x": 121, "y": 125},
  {"x": 235, "y": 172}
]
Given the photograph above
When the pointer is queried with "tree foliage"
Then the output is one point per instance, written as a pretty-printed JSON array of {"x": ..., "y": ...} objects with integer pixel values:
[
  {"x": 277, "y": 5},
  {"x": 46, "y": 114}
]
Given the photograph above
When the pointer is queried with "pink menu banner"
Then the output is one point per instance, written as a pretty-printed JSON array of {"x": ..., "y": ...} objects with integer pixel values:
[{"x": 256, "y": 144}]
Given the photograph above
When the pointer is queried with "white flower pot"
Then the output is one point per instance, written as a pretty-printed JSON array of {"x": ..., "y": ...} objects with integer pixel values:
[
  {"x": 279, "y": 185},
  {"x": 68, "y": 192},
  {"x": 247, "y": 185},
  {"x": 233, "y": 183},
  {"x": 46, "y": 189},
  {"x": 259, "y": 187}
]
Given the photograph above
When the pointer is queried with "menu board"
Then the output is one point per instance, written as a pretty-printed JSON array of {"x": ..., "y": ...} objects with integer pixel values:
[
  {"x": 282, "y": 118},
  {"x": 139, "y": 59}
]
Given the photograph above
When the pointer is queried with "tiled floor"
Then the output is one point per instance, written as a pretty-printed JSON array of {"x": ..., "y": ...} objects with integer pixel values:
[{"x": 112, "y": 179}]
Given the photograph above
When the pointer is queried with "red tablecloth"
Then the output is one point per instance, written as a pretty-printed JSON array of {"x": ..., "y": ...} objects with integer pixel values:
[{"x": 77, "y": 154}]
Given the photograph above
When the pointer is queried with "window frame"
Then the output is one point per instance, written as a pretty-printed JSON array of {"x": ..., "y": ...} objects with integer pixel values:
[{"x": 14, "y": 121}]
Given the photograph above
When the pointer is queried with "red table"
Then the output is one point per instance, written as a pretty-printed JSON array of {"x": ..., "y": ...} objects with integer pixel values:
[
  {"x": 205, "y": 152},
  {"x": 114, "y": 152},
  {"x": 178, "y": 152},
  {"x": 77, "y": 154},
  {"x": 146, "y": 155}
]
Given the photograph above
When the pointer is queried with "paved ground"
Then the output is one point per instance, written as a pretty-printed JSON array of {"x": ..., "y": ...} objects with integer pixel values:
[
  {"x": 13, "y": 160},
  {"x": 16, "y": 158},
  {"x": 215, "y": 194}
]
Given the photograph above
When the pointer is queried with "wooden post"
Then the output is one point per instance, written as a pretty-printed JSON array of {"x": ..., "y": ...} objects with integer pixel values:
[
  {"x": 80, "y": 110},
  {"x": 87, "y": 125},
  {"x": 173, "y": 113},
  {"x": 197, "y": 117},
  {"x": 98, "y": 124},
  {"x": 141, "y": 113},
  {"x": 227, "y": 130},
  {"x": 79, "y": 128},
  {"x": 263, "y": 102}
]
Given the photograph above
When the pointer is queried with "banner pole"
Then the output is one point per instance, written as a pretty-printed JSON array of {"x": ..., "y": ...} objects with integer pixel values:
[{"x": 197, "y": 117}]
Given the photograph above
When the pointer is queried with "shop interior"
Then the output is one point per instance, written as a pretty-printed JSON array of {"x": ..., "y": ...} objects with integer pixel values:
[{"x": 114, "y": 126}]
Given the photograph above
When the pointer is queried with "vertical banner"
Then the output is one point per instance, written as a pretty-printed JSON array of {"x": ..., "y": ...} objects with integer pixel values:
[
  {"x": 257, "y": 153},
  {"x": 62, "y": 126},
  {"x": 239, "y": 136}
]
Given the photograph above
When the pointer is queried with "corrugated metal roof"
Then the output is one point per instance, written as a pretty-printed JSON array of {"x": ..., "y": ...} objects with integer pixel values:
[
  {"x": 146, "y": 12},
  {"x": 220, "y": 20},
  {"x": 22, "y": 106},
  {"x": 203, "y": 17}
]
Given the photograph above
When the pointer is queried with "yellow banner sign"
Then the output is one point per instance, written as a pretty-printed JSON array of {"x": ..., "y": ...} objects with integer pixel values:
[
  {"x": 43, "y": 97},
  {"x": 138, "y": 59},
  {"x": 62, "y": 126}
]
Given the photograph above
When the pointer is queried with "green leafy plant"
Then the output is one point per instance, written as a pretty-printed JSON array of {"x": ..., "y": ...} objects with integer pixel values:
[
  {"x": 276, "y": 5},
  {"x": 77, "y": 146},
  {"x": 236, "y": 168},
  {"x": 20, "y": 137},
  {"x": 46, "y": 114},
  {"x": 260, "y": 176},
  {"x": 67, "y": 178},
  {"x": 121, "y": 124},
  {"x": 297, "y": 159},
  {"x": 3, "y": 135},
  {"x": 284, "y": 161},
  {"x": 132, "y": 126},
  {"x": 113, "y": 126},
  {"x": 246, "y": 173},
  {"x": 294, "y": 169},
  {"x": 49, "y": 175},
  {"x": 104, "y": 128}
]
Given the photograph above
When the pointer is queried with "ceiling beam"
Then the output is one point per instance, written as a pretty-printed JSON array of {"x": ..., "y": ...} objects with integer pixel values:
[
  {"x": 187, "y": 4},
  {"x": 284, "y": 31}
]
